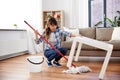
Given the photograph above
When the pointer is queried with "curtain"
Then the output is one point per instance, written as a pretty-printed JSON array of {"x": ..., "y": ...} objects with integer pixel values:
[
  {"x": 78, "y": 13},
  {"x": 74, "y": 13}
]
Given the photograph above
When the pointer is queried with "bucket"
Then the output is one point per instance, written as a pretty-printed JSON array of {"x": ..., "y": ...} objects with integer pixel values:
[{"x": 35, "y": 63}]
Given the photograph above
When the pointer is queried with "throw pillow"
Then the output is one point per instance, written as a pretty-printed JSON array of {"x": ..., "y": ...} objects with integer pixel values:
[
  {"x": 72, "y": 30},
  {"x": 116, "y": 34}
]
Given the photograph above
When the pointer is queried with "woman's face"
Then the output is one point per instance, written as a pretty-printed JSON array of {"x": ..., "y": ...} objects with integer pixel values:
[{"x": 53, "y": 28}]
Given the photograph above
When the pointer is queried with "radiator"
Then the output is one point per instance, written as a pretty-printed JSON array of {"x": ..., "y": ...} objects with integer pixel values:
[{"x": 12, "y": 42}]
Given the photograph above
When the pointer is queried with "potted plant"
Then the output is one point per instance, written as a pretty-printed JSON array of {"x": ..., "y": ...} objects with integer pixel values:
[
  {"x": 118, "y": 21},
  {"x": 15, "y": 25},
  {"x": 113, "y": 23}
]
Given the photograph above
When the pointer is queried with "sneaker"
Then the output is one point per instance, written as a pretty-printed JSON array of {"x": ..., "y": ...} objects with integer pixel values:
[
  {"x": 57, "y": 64},
  {"x": 49, "y": 63}
]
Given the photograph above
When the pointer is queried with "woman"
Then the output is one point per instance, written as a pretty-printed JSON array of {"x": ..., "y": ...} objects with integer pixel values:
[{"x": 53, "y": 34}]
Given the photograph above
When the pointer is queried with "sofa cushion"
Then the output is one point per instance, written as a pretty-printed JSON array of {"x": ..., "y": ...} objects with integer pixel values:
[
  {"x": 87, "y": 47},
  {"x": 116, "y": 44},
  {"x": 116, "y": 33},
  {"x": 104, "y": 34},
  {"x": 88, "y": 32},
  {"x": 68, "y": 44}
]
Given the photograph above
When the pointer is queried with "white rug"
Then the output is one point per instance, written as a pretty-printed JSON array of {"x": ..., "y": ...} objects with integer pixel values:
[{"x": 77, "y": 70}]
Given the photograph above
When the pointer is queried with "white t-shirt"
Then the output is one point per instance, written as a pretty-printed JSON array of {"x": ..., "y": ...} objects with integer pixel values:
[{"x": 52, "y": 39}]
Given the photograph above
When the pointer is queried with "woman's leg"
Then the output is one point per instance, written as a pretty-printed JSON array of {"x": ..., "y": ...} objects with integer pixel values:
[
  {"x": 58, "y": 56},
  {"x": 50, "y": 54}
]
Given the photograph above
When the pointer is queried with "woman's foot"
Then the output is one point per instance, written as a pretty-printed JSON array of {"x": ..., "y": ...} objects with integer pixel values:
[
  {"x": 57, "y": 64},
  {"x": 49, "y": 63}
]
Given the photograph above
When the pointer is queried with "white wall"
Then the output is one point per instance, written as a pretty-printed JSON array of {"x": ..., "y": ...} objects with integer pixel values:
[
  {"x": 16, "y": 11},
  {"x": 66, "y": 6}
]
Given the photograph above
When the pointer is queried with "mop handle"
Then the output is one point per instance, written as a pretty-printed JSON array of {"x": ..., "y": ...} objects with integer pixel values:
[{"x": 49, "y": 43}]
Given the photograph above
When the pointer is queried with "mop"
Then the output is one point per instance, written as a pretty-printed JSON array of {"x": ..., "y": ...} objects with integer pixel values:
[{"x": 73, "y": 68}]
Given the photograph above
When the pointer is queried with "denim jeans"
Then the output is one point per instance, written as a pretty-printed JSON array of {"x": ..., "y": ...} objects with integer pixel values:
[{"x": 51, "y": 54}]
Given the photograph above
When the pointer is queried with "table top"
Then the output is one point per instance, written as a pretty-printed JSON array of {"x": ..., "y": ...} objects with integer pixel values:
[{"x": 94, "y": 42}]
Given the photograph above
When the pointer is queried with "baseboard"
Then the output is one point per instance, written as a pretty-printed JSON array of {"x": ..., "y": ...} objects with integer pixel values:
[{"x": 13, "y": 55}]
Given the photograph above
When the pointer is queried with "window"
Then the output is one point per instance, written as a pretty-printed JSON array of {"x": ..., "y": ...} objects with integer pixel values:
[
  {"x": 96, "y": 11},
  {"x": 101, "y": 9}
]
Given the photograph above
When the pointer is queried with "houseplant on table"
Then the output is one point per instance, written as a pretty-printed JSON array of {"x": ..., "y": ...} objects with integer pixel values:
[{"x": 113, "y": 23}]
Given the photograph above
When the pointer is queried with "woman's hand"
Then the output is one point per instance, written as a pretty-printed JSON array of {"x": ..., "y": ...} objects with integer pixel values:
[
  {"x": 73, "y": 35},
  {"x": 80, "y": 35},
  {"x": 36, "y": 32}
]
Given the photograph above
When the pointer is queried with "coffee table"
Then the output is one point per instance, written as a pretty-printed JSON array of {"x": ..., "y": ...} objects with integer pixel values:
[{"x": 92, "y": 42}]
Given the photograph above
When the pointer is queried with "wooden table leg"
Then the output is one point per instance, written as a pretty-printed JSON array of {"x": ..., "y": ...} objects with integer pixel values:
[
  {"x": 71, "y": 55},
  {"x": 105, "y": 64},
  {"x": 78, "y": 51}
]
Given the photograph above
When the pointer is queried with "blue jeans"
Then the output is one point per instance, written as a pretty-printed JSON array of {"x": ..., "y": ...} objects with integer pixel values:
[{"x": 51, "y": 54}]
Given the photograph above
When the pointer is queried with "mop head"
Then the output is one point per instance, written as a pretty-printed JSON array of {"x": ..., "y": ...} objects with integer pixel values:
[{"x": 77, "y": 70}]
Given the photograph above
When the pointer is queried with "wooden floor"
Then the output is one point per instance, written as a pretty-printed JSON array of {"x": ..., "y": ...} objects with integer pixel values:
[{"x": 17, "y": 69}]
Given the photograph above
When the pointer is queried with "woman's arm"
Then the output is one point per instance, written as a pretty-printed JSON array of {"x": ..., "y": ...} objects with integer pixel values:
[
  {"x": 36, "y": 35},
  {"x": 66, "y": 33},
  {"x": 38, "y": 39},
  {"x": 74, "y": 35}
]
